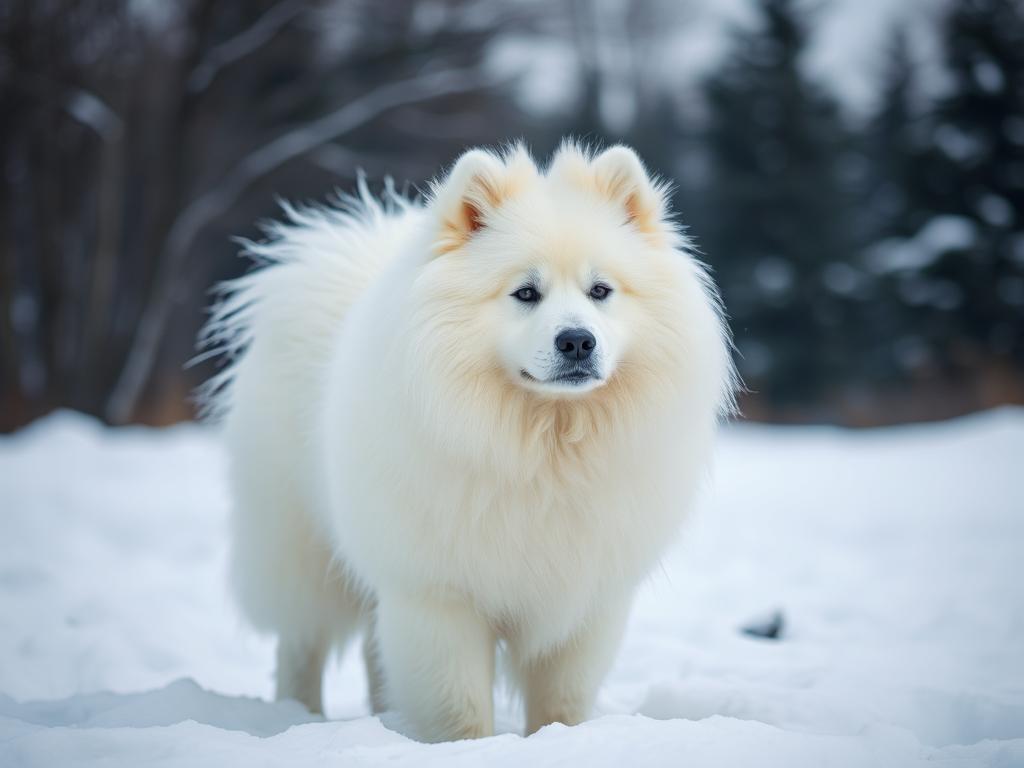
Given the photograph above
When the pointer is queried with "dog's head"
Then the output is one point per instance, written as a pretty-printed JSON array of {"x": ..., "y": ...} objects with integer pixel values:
[{"x": 555, "y": 280}]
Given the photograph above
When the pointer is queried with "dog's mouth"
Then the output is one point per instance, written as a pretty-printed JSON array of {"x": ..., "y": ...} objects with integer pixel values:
[{"x": 574, "y": 378}]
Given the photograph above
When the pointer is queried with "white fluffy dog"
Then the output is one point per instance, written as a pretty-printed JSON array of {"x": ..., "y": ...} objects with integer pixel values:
[{"x": 475, "y": 421}]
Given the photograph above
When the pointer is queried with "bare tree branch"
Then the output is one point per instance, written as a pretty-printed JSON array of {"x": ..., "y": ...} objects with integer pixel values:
[
  {"x": 242, "y": 44},
  {"x": 90, "y": 110},
  {"x": 216, "y": 201}
]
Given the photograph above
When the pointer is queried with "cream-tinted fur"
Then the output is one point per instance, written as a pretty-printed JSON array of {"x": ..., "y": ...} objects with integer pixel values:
[{"x": 395, "y": 466}]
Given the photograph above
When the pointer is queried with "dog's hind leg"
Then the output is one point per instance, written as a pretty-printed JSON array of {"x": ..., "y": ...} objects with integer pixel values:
[
  {"x": 371, "y": 659},
  {"x": 302, "y": 649},
  {"x": 300, "y": 669},
  {"x": 288, "y": 584}
]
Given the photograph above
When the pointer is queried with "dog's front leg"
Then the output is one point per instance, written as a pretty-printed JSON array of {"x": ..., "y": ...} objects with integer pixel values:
[
  {"x": 560, "y": 685},
  {"x": 438, "y": 662}
]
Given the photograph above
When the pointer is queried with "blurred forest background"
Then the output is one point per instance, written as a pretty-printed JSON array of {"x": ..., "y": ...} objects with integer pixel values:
[{"x": 853, "y": 171}]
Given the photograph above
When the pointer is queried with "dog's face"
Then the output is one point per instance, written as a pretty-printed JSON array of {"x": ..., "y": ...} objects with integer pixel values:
[
  {"x": 558, "y": 332},
  {"x": 547, "y": 279}
]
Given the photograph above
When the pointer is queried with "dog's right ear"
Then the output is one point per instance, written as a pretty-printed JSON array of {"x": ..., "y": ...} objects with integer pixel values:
[{"x": 478, "y": 184}]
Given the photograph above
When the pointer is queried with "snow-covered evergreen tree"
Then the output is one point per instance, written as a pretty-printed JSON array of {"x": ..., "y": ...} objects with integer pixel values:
[
  {"x": 778, "y": 210},
  {"x": 947, "y": 208},
  {"x": 896, "y": 144},
  {"x": 895, "y": 200},
  {"x": 979, "y": 129}
]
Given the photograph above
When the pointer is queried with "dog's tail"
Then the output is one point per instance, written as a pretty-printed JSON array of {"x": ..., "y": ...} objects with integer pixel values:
[{"x": 326, "y": 242}]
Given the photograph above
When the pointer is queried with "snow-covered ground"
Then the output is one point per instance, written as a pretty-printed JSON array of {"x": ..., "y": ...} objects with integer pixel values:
[{"x": 896, "y": 557}]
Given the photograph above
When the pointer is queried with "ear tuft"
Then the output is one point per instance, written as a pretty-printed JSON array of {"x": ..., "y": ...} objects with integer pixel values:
[
  {"x": 478, "y": 184},
  {"x": 619, "y": 175}
]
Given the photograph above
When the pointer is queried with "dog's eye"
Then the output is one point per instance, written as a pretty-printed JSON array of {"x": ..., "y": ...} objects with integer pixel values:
[
  {"x": 527, "y": 294},
  {"x": 600, "y": 292}
]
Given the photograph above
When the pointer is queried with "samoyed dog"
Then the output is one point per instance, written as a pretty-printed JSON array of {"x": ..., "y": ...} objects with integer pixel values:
[{"x": 468, "y": 424}]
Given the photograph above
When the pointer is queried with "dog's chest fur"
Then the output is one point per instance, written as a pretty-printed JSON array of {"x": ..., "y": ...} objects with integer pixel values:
[{"x": 542, "y": 548}]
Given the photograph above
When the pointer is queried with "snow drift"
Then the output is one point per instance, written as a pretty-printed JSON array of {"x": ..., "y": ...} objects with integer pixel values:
[{"x": 895, "y": 557}]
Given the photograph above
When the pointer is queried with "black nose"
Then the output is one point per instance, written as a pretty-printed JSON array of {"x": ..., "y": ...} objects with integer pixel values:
[{"x": 576, "y": 343}]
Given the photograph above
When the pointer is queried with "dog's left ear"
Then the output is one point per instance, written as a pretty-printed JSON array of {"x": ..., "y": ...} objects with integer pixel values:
[{"x": 620, "y": 176}]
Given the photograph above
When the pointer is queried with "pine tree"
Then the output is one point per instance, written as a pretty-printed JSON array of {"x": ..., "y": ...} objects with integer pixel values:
[
  {"x": 778, "y": 211},
  {"x": 979, "y": 131},
  {"x": 895, "y": 201},
  {"x": 895, "y": 197}
]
